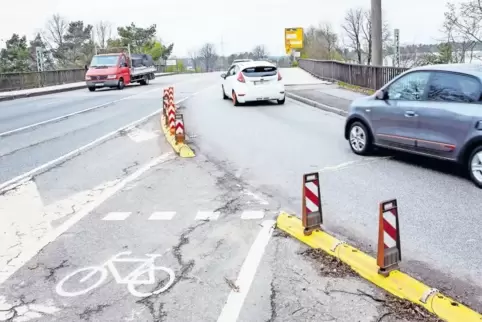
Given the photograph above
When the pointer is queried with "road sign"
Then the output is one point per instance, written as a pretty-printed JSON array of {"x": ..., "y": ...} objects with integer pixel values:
[
  {"x": 171, "y": 62},
  {"x": 293, "y": 38},
  {"x": 397, "y": 48}
]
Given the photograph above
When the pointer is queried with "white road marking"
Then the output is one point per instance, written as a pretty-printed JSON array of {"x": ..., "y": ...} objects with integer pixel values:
[
  {"x": 116, "y": 216},
  {"x": 28, "y": 253},
  {"x": 62, "y": 117},
  {"x": 207, "y": 215},
  {"x": 138, "y": 135},
  {"x": 252, "y": 214},
  {"x": 162, "y": 215},
  {"x": 257, "y": 197},
  {"x": 146, "y": 267},
  {"x": 235, "y": 299},
  {"x": 354, "y": 162},
  {"x": 12, "y": 183}
]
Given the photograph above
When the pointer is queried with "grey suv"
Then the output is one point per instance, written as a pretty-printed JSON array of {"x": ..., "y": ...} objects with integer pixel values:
[{"x": 433, "y": 110}]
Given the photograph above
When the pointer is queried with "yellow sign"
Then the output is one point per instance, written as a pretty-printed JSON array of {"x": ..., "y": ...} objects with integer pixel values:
[{"x": 293, "y": 39}]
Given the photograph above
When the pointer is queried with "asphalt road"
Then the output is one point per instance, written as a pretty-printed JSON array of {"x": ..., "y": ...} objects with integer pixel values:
[
  {"x": 212, "y": 230},
  {"x": 26, "y": 150},
  {"x": 209, "y": 217},
  {"x": 272, "y": 146}
]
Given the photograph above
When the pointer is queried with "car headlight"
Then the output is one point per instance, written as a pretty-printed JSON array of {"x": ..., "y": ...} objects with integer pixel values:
[
  {"x": 87, "y": 78},
  {"x": 111, "y": 76}
]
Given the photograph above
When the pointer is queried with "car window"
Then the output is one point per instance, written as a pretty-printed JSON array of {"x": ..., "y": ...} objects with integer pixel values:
[
  {"x": 451, "y": 87},
  {"x": 260, "y": 71},
  {"x": 231, "y": 71},
  {"x": 409, "y": 87},
  {"x": 122, "y": 61}
]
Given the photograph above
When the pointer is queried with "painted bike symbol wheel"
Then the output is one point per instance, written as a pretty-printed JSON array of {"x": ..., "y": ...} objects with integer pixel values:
[
  {"x": 84, "y": 275},
  {"x": 131, "y": 286}
]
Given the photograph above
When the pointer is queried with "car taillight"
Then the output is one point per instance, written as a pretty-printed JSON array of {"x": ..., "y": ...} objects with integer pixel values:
[
  {"x": 241, "y": 78},
  {"x": 279, "y": 76}
]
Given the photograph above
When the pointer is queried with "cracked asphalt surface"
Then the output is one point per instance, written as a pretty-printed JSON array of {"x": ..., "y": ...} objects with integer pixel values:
[{"x": 200, "y": 215}]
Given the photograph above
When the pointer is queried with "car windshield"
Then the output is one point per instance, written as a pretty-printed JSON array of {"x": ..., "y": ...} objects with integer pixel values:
[
  {"x": 104, "y": 61},
  {"x": 260, "y": 71}
]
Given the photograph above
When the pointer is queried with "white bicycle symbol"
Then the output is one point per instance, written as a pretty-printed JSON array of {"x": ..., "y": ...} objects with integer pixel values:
[{"x": 132, "y": 279}]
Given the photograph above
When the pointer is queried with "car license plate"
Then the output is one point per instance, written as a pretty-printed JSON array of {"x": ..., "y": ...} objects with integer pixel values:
[{"x": 99, "y": 84}]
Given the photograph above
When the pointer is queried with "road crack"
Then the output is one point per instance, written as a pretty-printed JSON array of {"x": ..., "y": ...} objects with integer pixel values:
[
  {"x": 14, "y": 309},
  {"x": 185, "y": 268},
  {"x": 87, "y": 314}
]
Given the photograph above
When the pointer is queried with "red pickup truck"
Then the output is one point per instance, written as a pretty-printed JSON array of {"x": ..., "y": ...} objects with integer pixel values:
[{"x": 119, "y": 69}]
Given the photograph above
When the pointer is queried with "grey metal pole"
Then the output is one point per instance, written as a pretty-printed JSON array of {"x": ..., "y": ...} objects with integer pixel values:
[{"x": 376, "y": 16}]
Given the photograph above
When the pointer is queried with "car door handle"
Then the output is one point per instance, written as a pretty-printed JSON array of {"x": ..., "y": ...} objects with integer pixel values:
[{"x": 410, "y": 114}]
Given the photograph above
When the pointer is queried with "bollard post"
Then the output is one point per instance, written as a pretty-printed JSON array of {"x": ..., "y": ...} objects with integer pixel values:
[
  {"x": 165, "y": 105},
  {"x": 172, "y": 118},
  {"x": 389, "y": 248},
  {"x": 180, "y": 135},
  {"x": 312, "y": 214}
]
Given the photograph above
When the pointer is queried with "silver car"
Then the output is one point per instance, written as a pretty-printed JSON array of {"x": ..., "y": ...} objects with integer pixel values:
[{"x": 432, "y": 110}]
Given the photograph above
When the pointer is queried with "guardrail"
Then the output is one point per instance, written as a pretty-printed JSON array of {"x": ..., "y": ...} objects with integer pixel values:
[
  {"x": 366, "y": 76},
  {"x": 18, "y": 81}
]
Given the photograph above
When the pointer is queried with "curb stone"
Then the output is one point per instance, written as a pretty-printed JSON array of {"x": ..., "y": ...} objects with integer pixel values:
[
  {"x": 316, "y": 104},
  {"x": 396, "y": 283}
]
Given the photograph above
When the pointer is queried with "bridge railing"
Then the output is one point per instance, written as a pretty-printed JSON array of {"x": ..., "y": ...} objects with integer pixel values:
[
  {"x": 18, "y": 81},
  {"x": 372, "y": 77}
]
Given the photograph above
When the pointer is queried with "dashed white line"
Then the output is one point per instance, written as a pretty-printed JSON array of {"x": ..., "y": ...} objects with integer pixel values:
[
  {"x": 162, "y": 215},
  {"x": 252, "y": 214},
  {"x": 116, "y": 216}
]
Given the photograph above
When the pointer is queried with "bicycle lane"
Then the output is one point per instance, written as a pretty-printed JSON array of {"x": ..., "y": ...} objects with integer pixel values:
[{"x": 199, "y": 219}]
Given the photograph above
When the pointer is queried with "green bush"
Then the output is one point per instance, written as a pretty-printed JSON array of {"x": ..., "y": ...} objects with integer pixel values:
[{"x": 294, "y": 64}]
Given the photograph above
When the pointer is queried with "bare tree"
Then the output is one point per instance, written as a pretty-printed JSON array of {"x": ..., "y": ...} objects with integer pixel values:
[
  {"x": 259, "y": 52},
  {"x": 208, "y": 55},
  {"x": 320, "y": 42},
  {"x": 103, "y": 30},
  {"x": 56, "y": 29},
  {"x": 367, "y": 35},
  {"x": 462, "y": 29},
  {"x": 194, "y": 56},
  {"x": 353, "y": 27},
  {"x": 330, "y": 38}
]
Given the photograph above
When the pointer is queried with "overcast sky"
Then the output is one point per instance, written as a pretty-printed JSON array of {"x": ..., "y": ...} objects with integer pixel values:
[{"x": 190, "y": 23}]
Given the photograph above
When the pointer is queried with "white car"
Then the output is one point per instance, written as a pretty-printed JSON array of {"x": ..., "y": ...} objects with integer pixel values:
[{"x": 253, "y": 81}]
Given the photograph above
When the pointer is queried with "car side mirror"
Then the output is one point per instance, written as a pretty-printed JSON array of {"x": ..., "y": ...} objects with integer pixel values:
[
  {"x": 223, "y": 75},
  {"x": 381, "y": 95}
]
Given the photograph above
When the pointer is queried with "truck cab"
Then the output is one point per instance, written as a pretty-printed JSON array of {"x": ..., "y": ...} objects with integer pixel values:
[{"x": 114, "y": 70}]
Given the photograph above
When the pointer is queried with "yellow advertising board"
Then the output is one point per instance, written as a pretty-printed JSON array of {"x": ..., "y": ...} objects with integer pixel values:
[{"x": 293, "y": 39}]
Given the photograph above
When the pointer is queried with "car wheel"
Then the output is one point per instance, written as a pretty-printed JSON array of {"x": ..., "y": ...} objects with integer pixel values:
[
  {"x": 359, "y": 138},
  {"x": 281, "y": 102},
  {"x": 225, "y": 97},
  {"x": 235, "y": 99},
  {"x": 92, "y": 89},
  {"x": 121, "y": 84},
  {"x": 475, "y": 166},
  {"x": 145, "y": 81}
]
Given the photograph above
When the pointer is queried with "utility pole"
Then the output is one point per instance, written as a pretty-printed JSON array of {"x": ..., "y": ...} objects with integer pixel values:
[{"x": 376, "y": 17}]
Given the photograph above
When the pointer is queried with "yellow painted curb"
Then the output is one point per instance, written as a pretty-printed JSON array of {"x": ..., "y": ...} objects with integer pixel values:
[
  {"x": 397, "y": 283},
  {"x": 183, "y": 149}
]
